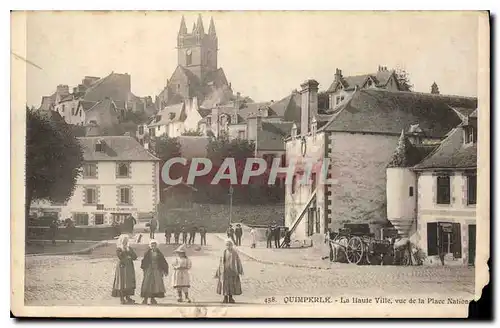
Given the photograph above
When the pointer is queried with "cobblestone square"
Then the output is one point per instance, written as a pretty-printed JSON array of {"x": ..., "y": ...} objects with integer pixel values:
[{"x": 87, "y": 279}]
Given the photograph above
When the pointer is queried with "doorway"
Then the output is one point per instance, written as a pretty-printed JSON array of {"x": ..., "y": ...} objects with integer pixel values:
[{"x": 472, "y": 244}]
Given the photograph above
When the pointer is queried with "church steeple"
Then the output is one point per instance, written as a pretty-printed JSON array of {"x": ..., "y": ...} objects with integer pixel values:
[
  {"x": 199, "y": 26},
  {"x": 183, "y": 28},
  {"x": 211, "y": 28}
]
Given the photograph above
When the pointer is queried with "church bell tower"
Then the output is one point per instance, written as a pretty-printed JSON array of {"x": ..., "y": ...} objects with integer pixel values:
[{"x": 197, "y": 51}]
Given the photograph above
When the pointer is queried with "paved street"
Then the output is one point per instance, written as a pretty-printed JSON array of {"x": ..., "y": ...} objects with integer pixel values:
[{"x": 87, "y": 279}]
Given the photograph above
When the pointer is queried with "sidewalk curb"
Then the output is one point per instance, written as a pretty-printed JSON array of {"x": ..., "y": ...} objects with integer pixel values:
[
  {"x": 87, "y": 250},
  {"x": 276, "y": 263}
]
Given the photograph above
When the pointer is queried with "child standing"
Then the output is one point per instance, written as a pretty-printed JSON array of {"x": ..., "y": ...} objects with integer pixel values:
[{"x": 180, "y": 278}]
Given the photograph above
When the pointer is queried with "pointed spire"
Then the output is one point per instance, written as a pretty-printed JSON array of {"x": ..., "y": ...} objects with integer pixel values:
[
  {"x": 211, "y": 28},
  {"x": 405, "y": 154},
  {"x": 183, "y": 28},
  {"x": 199, "y": 25}
]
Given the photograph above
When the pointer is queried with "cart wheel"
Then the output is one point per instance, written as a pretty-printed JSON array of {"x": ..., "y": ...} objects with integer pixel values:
[{"x": 354, "y": 250}]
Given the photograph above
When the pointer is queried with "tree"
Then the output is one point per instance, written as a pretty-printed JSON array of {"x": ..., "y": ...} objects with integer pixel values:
[
  {"x": 166, "y": 148},
  {"x": 221, "y": 148},
  {"x": 434, "y": 88},
  {"x": 403, "y": 78},
  {"x": 193, "y": 133},
  {"x": 53, "y": 159}
]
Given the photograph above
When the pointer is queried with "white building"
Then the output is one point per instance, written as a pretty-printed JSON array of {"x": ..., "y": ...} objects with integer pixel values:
[
  {"x": 171, "y": 121},
  {"x": 119, "y": 178},
  {"x": 434, "y": 201}
]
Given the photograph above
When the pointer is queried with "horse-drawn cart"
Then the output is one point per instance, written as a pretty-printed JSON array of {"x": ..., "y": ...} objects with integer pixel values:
[{"x": 359, "y": 246}]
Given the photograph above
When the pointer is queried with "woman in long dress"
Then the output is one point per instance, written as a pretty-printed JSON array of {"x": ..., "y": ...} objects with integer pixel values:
[
  {"x": 155, "y": 266},
  {"x": 228, "y": 273},
  {"x": 180, "y": 278},
  {"x": 124, "y": 283}
]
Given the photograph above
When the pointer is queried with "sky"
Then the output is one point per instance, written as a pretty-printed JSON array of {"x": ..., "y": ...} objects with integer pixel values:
[{"x": 265, "y": 55}]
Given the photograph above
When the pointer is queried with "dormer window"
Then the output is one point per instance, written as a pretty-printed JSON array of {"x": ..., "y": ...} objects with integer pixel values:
[
  {"x": 157, "y": 118},
  {"x": 470, "y": 134},
  {"x": 99, "y": 146},
  {"x": 234, "y": 119}
]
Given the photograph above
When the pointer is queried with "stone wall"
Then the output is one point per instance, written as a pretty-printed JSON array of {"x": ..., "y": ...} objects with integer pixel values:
[
  {"x": 215, "y": 217},
  {"x": 358, "y": 162}
]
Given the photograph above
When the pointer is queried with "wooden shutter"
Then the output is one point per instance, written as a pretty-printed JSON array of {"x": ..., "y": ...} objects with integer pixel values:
[
  {"x": 457, "y": 241},
  {"x": 432, "y": 239}
]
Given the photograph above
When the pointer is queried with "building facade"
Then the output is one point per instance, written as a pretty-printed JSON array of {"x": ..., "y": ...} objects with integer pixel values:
[
  {"x": 119, "y": 178},
  {"x": 433, "y": 199}
]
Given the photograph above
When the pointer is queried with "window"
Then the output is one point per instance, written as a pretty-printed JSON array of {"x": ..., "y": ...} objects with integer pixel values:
[
  {"x": 318, "y": 221},
  {"x": 337, "y": 100},
  {"x": 98, "y": 219},
  {"x": 125, "y": 195},
  {"x": 123, "y": 170},
  {"x": 81, "y": 113},
  {"x": 241, "y": 134},
  {"x": 443, "y": 190},
  {"x": 313, "y": 182},
  {"x": 90, "y": 196},
  {"x": 90, "y": 170},
  {"x": 152, "y": 132},
  {"x": 471, "y": 189},
  {"x": 63, "y": 108},
  {"x": 141, "y": 129},
  {"x": 119, "y": 218},
  {"x": 81, "y": 219},
  {"x": 470, "y": 134},
  {"x": 294, "y": 182},
  {"x": 209, "y": 121},
  {"x": 410, "y": 191},
  {"x": 158, "y": 128},
  {"x": 189, "y": 58},
  {"x": 99, "y": 146},
  {"x": 310, "y": 221},
  {"x": 283, "y": 160}
]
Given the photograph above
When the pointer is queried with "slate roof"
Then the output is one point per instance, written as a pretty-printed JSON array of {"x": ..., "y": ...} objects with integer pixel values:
[
  {"x": 452, "y": 153},
  {"x": 117, "y": 148},
  {"x": 407, "y": 154},
  {"x": 87, "y": 104},
  {"x": 349, "y": 82},
  {"x": 390, "y": 112},
  {"x": 47, "y": 102},
  {"x": 272, "y": 135},
  {"x": 115, "y": 86},
  {"x": 172, "y": 113}
]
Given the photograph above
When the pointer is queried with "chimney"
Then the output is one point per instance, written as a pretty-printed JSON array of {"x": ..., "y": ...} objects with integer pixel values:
[
  {"x": 62, "y": 90},
  {"x": 379, "y": 68},
  {"x": 258, "y": 120},
  {"x": 309, "y": 104},
  {"x": 338, "y": 75},
  {"x": 237, "y": 101}
]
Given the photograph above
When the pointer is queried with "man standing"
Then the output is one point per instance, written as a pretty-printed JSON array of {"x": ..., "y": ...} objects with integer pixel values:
[
  {"x": 70, "y": 228},
  {"x": 277, "y": 235},
  {"x": 230, "y": 234},
  {"x": 153, "y": 224},
  {"x": 203, "y": 235},
  {"x": 168, "y": 235},
  {"x": 269, "y": 236},
  {"x": 177, "y": 234},
  {"x": 192, "y": 234},
  {"x": 238, "y": 232},
  {"x": 53, "y": 230},
  {"x": 184, "y": 235}
]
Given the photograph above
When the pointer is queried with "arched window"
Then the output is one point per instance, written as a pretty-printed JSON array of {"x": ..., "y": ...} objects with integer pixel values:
[{"x": 189, "y": 58}]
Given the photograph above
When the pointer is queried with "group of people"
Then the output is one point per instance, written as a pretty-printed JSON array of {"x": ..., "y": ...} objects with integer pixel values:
[
  {"x": 235, "y": 234},
  {"x": 69, "y": 229},
  {"x": 177, "y": 233},
  {"x": 273, "y": 232},
  {"x": 155, "y": 268}
]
